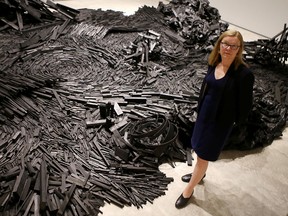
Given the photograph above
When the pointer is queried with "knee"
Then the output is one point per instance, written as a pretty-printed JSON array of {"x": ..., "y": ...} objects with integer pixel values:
[{"x": 202, "y": 162}]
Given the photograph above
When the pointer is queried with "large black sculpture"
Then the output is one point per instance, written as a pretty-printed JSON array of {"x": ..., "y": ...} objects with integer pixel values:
[{"x": 92, "y": 101}]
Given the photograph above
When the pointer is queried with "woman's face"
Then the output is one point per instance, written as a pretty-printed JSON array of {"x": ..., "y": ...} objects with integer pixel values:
[{"x": 229, "y": 47}]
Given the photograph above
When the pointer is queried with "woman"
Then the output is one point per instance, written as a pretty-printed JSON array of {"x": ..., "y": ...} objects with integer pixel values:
[{"x": 225, "y": 100}]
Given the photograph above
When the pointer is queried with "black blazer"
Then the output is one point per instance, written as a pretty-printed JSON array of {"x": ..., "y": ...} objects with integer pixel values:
[{"x": 236, "y": 99}]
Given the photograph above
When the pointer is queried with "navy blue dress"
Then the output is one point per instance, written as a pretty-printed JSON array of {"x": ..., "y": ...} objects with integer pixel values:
[{"x": 209, "y": 137}]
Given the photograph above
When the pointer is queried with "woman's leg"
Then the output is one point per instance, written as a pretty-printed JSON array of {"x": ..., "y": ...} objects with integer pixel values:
[{"x": 198, "y": 173}]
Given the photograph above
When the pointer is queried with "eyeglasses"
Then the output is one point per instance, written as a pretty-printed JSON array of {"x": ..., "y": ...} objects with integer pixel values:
[{"x": 226, "y": 46}]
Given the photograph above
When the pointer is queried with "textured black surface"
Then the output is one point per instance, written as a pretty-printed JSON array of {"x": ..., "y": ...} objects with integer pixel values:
[{"x": 55, "y": 83}]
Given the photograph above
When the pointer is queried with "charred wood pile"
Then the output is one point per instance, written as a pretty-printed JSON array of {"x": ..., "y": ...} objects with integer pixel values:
[
  {"x": 272, "y": 51},
  {"x": 23, "y": 15},
  {"x": 92, "y": 104},
  {"x": 196, "y": 21}
]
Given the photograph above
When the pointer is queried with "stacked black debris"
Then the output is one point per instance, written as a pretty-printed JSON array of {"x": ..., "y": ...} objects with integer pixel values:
[
  {"x": 269, "y": 115},
  {"x": 90, "y": 109},
  {"x": 195, "y": 21},
  {"x": 22, "y": 15},
  {"x": 272, "y": 51}
]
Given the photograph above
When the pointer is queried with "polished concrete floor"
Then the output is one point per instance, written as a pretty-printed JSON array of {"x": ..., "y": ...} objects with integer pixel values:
[{"x": 240, "y": 183}]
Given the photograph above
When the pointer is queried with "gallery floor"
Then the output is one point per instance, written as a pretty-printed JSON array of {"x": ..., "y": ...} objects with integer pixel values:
[{"x": 240, "y": 183}]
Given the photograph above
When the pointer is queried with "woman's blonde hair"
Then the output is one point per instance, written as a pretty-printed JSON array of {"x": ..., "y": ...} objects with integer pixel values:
[{"x": 215, "y": 57}]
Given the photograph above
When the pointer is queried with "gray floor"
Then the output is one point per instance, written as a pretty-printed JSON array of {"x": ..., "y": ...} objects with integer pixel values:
[{"x": 239, "y": 183}]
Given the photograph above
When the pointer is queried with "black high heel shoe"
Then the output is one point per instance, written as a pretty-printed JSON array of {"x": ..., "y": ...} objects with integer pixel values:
[
  {"x": 181, "y": 202},
  {"x": 187, "y": 177}
]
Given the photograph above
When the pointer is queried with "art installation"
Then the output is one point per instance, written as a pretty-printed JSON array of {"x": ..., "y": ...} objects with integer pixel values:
[{"x": 92, "y": 101}]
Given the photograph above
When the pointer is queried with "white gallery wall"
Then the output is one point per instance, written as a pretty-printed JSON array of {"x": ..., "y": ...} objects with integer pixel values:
[
  {"x": 127, "y": 6},
  {"x": 265, "y": 17}
]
